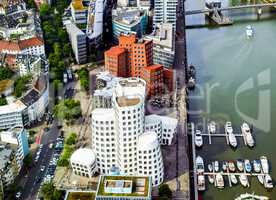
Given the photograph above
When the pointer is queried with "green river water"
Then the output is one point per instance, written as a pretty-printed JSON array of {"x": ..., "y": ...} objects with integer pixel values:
[{"x": 242, "y": 73}]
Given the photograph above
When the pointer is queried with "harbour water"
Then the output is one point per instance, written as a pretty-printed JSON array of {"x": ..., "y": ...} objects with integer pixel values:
[{"x": 237, "y": 82}]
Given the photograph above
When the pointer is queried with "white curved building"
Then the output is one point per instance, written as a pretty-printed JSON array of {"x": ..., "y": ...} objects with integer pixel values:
[
  {"x": 83, "y": 162},
  {"x": 118, "y": 133},
  {"x": 104, "y": 139},
  {"x": 150, "y": 161}
]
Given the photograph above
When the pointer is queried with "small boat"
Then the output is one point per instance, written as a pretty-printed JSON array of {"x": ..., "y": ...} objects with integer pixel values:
[
  {"x": 247, "y": 166},
  {"x": 233, "y": 179},
  {"x": 211, "y": 179},
  {"x": 198, "y": 138},
  {"x": 201, "y": 182},
  {"x": 219, "y": 181},
  {"x": 212, "y": 127},
  {"x": 247, "y": 135},
  {"x": 268, "y": 183},
  {"x": 191, "y": 71},
  {"x": 199, "y": 164},
  {"x": 216, "y": 166},
  {"x": 261, "y": 179},
  {"x": 210, "y": 167},
  {"x": 249, "y": 31},
  {"x": 264, "y": 164},
  {"x": 231, "y": 166},
  {"x": 228, "y": 127},
  {"x": 232, "y": 140},
  {"x": 251, "y": 197},
  {"x": 224, "y": 166},
  {"x": 257, "y": 166},
  {"x": 240, "y": 165},
  {"x": 244, "y": 180}
]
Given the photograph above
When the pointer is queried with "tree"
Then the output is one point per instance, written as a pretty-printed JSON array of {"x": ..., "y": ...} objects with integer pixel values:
[
  {"x": 164, "y": 192},
  {"x": 48, "y": 190},
  {"x": 44, "y": 10},
  {"x": 84, "y": 78},
  {"x": 68, "y": 109},
  {"x": 30, "y": 4},
  {"x": 62, "y": 35},
  {"x": 72, "y": 139},
  {"x": 57, "y": 49},
  {"x": 21, "y": 85},
  {"x": 3, "y": 101},
  {"x": 67, "y": 50},
  {"x": 5, "y": 73}
]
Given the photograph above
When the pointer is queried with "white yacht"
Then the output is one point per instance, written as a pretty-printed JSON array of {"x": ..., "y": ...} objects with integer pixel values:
[
  {"x": 268, "y": 183},
  {"x": 198, "y": 138},
  {"x": 219, "y": 181},
  {"x": 233, "y": 179},
  {"x": 216, "y": 166},
  {"x": 210, "y": 167},
  {"x": 249, "y": 31},
  {"x": 264, "y": 163},
  {"x": 247, "y": 165},
  {"x": 212, "y": 127},
  {"x": 244, "y": 180},
  {"x": 247, "y": 135},
  {"x": 199, "y": 164},
  {"x": 247, "y": 196},
  {"x": 201, "y": 182},
  {"x": 211, "y": 179},
  {"x": 257, "y": 166},
  {"x": 228, "y": 127},
  {"x": 232, "y": 140},
  {"x": 240, "y": 165}
]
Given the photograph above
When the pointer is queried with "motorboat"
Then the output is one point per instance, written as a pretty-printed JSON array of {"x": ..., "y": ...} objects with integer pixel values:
[
  {"x": 224, "y": 166},
  {"x": 249, "y": 31},
  {"x": 211, "y": 179},
  {"x": 240, "y": 165},
  {"x": 232, "y": 140},
  {"x": 201, "y": 182},
  {"x": 264, "y": 164},
  {"x": 268, "y": 183},
  {"x": 219, "y": 181},
  {"x": 251, "y": 197},
  {"x": 233, "y": 179},
  {"x": 247, "y": 135},
  {"x": 191, "y": 83},
  {"x": 247, "y": 166},
  {"x": 198, "y": 138},
  {"x": 261, "y": 179},
  {"x": 210, "y": 167},
  {"x": 216, "y": 166},
  {"x": 199, "y": 164},
  {"x": 228, "y": 127},
  {"x": 212, "y": 127},
  {"x": 191, "y": 71},
  {"x": 244, "y": 180},
  {"x": 257, "y": 166},
  {"x": 231, "y": 166}
]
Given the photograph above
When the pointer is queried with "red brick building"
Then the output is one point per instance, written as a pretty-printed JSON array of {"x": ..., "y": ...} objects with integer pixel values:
[
  {"x": 116, "y": 61},
  {"x": 134, "y": 58}
]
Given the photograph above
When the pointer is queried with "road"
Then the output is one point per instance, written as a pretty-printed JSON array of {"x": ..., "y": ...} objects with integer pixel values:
[{"x": 180, "y": 67}]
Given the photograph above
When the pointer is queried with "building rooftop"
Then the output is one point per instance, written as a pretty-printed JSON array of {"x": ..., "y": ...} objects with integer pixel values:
[
  {"x": 77, "y": 5},
  {"x": 124, "y": 186},
  {"x": 21, "y": 44},
  {"x": 163, "y": 35},
  {"x": 153, "y": 67},
  {"x": 10, "y": 136},
  {"x": 30, "y": 97},
  {"x": 132, "y": 82},
  {"x": 104, "y": 113},
  {"x": 16, "y": 106},
  {"x": 5, "y": 155},
  {"x": 128, "y": 15},
  {"x": 72, "y": 28},
  {"x": 115, "y": 51},
  {"x": 125, "y": 101},
  {"x": 83, "y": 156}
]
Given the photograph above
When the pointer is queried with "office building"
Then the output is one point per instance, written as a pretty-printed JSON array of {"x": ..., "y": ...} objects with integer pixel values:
[
  {"x": 116, "y": 132},
  {"x": 115, "y": 61},
  {"x": 83, "y": 162},
  {"x": 163, "y": 44},
  {"x": 78, "y": 42},
  {"x": 165, "y": 12},
  {"x": 129, "y": 20},
  {"x": 124, "y": 188}
]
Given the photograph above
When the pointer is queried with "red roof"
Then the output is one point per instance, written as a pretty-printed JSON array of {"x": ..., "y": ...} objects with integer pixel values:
[
  {"x": 115, "y": 51},
  {"x": 20, "y": 45},
  {"x": 154, "y": 67}
]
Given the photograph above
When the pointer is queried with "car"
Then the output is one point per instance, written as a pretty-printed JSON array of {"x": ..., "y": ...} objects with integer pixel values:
[
  {"x": 51, "y": 145},
  {"x": 18, "y": 195}
]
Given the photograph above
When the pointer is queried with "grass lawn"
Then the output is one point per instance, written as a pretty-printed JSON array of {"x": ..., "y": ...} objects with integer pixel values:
[{"x": 81, "y": 196}]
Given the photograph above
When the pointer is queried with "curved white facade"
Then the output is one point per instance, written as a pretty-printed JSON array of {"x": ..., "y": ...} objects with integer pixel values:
[
  {"x": 150, "y": 161},
  {"x": 154, "y": 124},
  {"x": 83, "y": 162},
  {"x": 104, "y": 139}
]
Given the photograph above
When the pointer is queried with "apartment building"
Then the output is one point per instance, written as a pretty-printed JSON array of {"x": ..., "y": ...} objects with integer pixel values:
[
  {"x": 78, "y": 42},
  {"x": 165, "y": 12}
]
